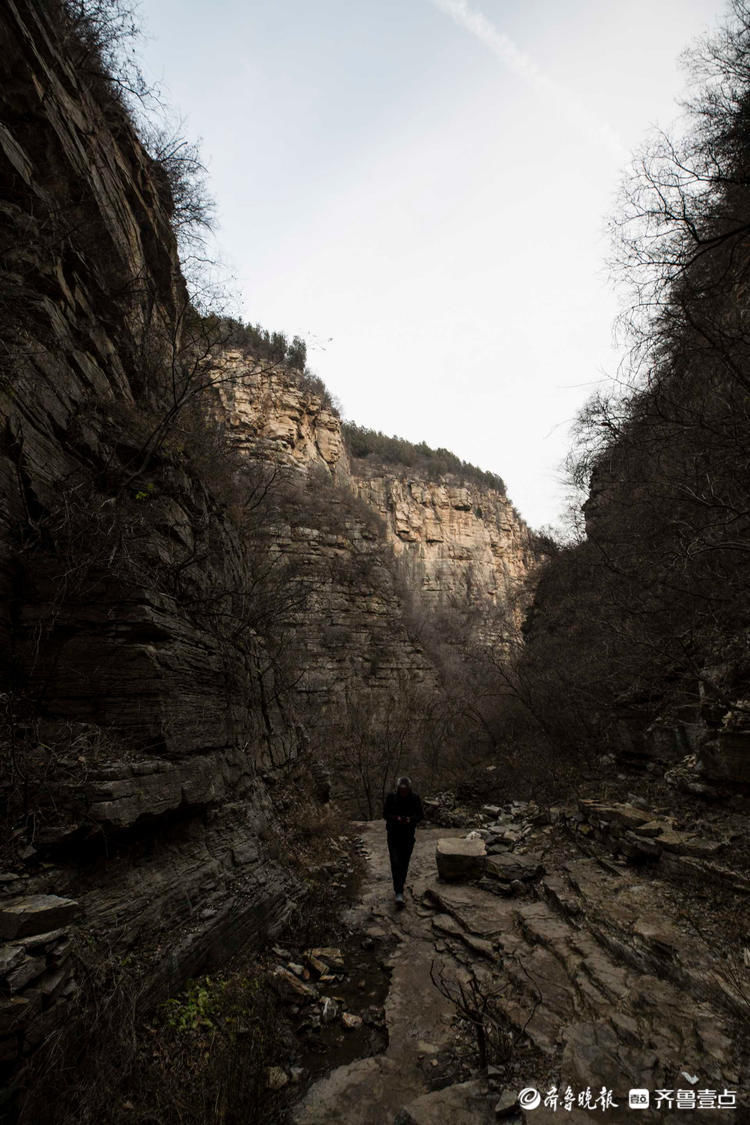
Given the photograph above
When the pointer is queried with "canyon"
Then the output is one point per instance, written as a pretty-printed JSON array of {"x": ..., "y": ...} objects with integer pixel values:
[
  {"x": 146, "y": 718},
  {"x": 228, "y": 619}
]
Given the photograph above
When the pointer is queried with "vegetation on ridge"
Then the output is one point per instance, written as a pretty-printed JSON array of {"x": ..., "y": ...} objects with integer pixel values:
[
  {"x": 276, "y": 348},
  {"x": 377, "y": 448}
]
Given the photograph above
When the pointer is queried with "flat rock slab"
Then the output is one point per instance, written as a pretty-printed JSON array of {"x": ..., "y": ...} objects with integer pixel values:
[
  {"x": 604, "y": 982},
  {"x": 36, "y": 914},
  {"x": 653, "y": 827},
  {"x": 329, "y": 955},
  {"x": 366, "y": 1092},
  {"x": 447, "y": 925},
  {"x": 460, "y": 859},
  {"x": 477, "y": 912},
  {"x": 671, "y": 841},
  {"x": 466, "y": 1103},
  {"x": 623, "y": 814}
]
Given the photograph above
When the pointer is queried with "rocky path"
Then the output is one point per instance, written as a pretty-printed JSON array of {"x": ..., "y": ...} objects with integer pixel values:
[
  {"x": 371, "y": 1091},
  {"x": 603, "y": 989}
]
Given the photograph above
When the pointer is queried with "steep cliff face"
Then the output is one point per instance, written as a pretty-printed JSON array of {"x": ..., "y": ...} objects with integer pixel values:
[
  {"x": 270, "y": 416},
  {"x": 183, "y": 576},
  {"x": 132, "y": 712},
  {"x": 460, "y": 542},
  {"x": 350, "y": 637},
  {"x": 464, "y": 543}
]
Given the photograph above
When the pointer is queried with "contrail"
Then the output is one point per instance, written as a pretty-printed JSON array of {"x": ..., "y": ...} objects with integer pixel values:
[{"x": 523, "y": 65}]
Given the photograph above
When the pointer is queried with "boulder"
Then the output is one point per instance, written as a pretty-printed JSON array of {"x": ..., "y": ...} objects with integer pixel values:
[
  {"x": 326, "y": 955},
  {"x": 36, "y": 914},
  {"x": 276, "y": 1078},
  {"x": 460, "y": 859},
  {"x": 624, "y": 815}
]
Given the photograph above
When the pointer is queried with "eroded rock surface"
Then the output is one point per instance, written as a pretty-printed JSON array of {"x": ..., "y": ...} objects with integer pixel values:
[
  {"x": 459, "y": 541},
  {"x": 597, "y": 976},
  {"x": 269, "y": 416}
]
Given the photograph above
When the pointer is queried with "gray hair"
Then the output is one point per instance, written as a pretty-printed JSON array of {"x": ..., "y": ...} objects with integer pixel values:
[{"x": 403, "y": 781}]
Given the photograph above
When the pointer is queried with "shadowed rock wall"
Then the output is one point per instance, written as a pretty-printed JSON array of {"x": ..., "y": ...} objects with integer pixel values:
[{"x": 136, "y": 727}]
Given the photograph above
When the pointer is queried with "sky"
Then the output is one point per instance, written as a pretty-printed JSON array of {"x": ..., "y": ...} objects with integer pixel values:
[{"x": 420, "y": 189}]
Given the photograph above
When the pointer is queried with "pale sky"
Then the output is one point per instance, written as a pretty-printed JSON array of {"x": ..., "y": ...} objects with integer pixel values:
[{"x": 420, "y": 189}]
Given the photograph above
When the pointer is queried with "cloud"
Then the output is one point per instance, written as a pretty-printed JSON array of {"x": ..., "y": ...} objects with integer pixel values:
[{"x": 521, "y": 64}]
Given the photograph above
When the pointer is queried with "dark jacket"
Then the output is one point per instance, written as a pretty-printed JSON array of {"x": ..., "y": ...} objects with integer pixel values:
[{"x": 409, "y": 806}]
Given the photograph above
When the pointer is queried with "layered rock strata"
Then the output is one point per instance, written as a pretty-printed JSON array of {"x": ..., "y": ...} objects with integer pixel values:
[
  {"x": 270, "y": 415},
  {"x": 137, "y": 725},
  {"x": 461, "y": 543},
  {"x": 144, "y": 710},
  {"x": 443, "y": 543},
  {"x": 590, "y": 968}
]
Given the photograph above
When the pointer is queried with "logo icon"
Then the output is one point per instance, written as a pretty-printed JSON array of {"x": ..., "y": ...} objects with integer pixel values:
[
  {"x": 529, "y": 1098},
  {"x": 638, "y": 1099}
]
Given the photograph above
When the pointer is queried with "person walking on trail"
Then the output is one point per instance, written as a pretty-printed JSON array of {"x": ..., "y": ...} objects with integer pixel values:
[{"x": 402, "y": 812}]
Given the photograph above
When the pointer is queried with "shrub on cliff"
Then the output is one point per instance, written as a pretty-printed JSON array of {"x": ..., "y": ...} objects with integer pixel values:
[
  {"x": 98, "y": 36},
  {"x": 260, "y": 344}
]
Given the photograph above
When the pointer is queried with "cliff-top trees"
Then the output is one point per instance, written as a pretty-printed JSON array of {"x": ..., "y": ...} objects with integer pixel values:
[{"x": 364, "y": 443}]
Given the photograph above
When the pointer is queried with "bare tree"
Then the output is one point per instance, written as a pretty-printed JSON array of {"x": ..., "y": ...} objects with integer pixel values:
[
  {"x": 629, "y": 622},
  {"x": 477, "y": 1003}
]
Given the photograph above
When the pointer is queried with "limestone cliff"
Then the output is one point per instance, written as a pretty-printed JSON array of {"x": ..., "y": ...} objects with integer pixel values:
[
  {"x": 464, "y": 542},
  {"x": 350, "y": 637},
  {"x": 461, "y": 541},
  {"x": 269, "y": 415}
]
